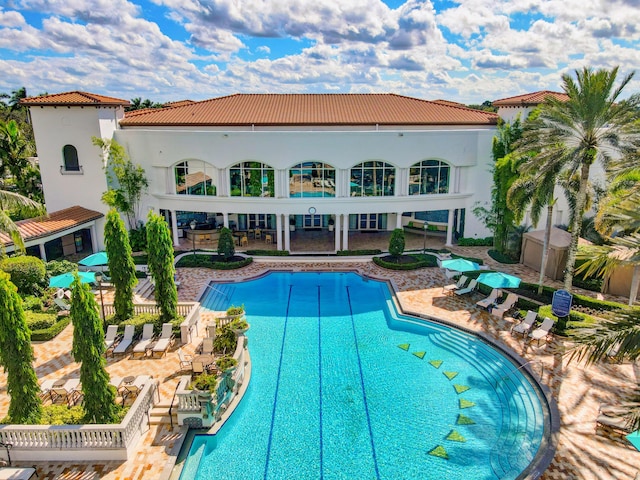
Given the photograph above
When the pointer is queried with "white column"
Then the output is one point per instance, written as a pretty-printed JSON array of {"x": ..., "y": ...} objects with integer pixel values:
[
  {"x": 174, "y": 228},
  {"x": 279, "y": 231},
  {"x": 449, "y": 228},
  {"x": 287, "y": 234},
  {"x": 94, "y": 238},
  {"x": 336, "y": 226},
  {"x": 398, "y": 219},
  {"x": 225, "y": 219},
  {"x": 345, "y": 231},
  {"x": 43, "y": 253}
]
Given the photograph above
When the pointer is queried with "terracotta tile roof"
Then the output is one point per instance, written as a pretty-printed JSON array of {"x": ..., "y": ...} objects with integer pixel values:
[
  {"x": 34, "y": 228},
  {"x": 178, "y": 103},
  {"x": 73, "y": 98},
  {"x": 311, "y": 109},
  {"x": 449, "y": 103},
  {"x": 529, "y": 99}
]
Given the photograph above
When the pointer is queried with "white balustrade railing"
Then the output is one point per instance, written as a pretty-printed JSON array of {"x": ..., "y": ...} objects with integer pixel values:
[
  {"x": 89, "y": 442},
  {"x": 183, "y": 308}
]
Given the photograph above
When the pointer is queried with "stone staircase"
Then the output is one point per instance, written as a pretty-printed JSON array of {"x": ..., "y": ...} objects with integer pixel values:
[{"x": 159, "y": 414}]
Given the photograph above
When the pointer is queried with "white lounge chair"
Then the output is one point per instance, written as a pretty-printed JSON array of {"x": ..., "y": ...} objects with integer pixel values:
[
  {"x": 62, "y": 304},
  {"x": 127, "y": 339},
  {"x": 469, "y": 288},
  {"x": 111, "y": 337},
  {"x": 505, "y": 306},
  {"x": 145, "y": 343},
  {"x": 207, "y": 346},
  {"x": 185, "y": 360},
  {"x": 164, "y": 342},
  {"x": 525, "y": 325},
  {"x": 542, "y": 331},
  {"x": 455, "y": 286},
  {"x": 493, "y": 296}
]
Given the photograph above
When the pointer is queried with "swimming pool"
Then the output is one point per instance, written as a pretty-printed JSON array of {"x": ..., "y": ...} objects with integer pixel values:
[{"x": 344, "y": 387}]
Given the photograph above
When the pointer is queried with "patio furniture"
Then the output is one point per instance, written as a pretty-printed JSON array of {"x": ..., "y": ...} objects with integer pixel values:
[
  {"x": 207, "y": 346},
  {"x": 45, "y": 388},
  {"x": 62, "y": 304},
  {"x": 525, "y": 325},
  {"x": 127, "y": 340},
  {"x": 543, "y": 330},
  {"x": 268, "y": 238},
  {"x": 455, "y": 286},
  {"x": 185, "y": 360},
  {"x": 164, "y": 342},
  {"x": 257, "y": 233},
  {"x": 111, "y": 337},
  {"x": 505, "y": 306},
  {"x": 133, "y": 385},
  {"x": 491, "y": 299},
  {"x": 68, "y": 391},
  {"x": 611, "y": 417},
  {"x": 244, "y": 241},
  {"x": 146, "y": 342},
  {"x": 470, "y": 288}
]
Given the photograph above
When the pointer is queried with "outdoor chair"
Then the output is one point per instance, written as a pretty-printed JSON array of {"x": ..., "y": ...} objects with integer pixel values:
[
  {"x": 145, "y": 343},
  {"x": 491, "y": 299},
  {"x": 505, "y": 306},
  {"x": 470, "y": 288},
  {"x": 455, "y": 286},
  {"x": 611, "y": 417},
  {"x": 45, "y": 388},
  {"x": 164, "y": 342},
  {"x": 127, "y": 340},
  {"x": 525, "y": 325},
  {"x": 134, "y": 388},
  {"x": 66, "y": 391},
  {"x": 257, "y": 233},
  {"x": 185, "y": 360},
  {"x": 62, "y": 304},
  {"x": 111, "y": 337},
  {"x": 207, "y": 346},
  {"x": 197, "y": 368},
  {"x": 542, "y": 331},
  {"x": 244, "y": 241}
]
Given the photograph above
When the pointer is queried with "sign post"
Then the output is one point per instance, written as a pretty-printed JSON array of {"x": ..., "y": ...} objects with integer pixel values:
[{"x": 561, "y": 307}]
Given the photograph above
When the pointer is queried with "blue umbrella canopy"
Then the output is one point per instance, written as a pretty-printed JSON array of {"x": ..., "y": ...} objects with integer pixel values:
[
  {"x": 66, "y": 279},
  {"x": 95, "y": 260},
  {"x": 634, "y": 438},
  {"x": 499, "y": 280},
  {"x": 459, "y": 265}
]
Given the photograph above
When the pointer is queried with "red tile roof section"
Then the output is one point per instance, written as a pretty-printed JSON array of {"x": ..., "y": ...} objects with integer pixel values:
[
  {"x": 73, "y": 98},
  {"x": 530, "y": 99},
  {"x": 311, "y": 109},
  {"x": 54, "y": 222}
]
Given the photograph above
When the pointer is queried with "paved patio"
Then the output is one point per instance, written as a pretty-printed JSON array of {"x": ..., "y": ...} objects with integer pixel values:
[{"x": 579, "y": 390}]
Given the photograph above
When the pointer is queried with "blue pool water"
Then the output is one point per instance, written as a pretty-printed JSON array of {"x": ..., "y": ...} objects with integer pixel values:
[{"x": 343, "y": 387}]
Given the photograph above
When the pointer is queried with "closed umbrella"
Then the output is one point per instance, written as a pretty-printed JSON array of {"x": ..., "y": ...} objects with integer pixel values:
[
  {"x": 66, "y": 279},
  {"x": 95, "y": 259},
  {"x": 459, "y": 265},
  {"x": 499, "y": 280}
]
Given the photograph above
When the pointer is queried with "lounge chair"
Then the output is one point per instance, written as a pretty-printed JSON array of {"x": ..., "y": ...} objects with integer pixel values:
[
  {"x": 470, "y": 288},
  {"x": 207, "y": 346},
  {"x": 525, "y": 325},
  {"x": 111, "y": 337},
  {"x": 542, "y": 331},
  {"x": 185, "y": 360},
  {"x": 127, "y": 340},
  {"x": 66, "y": 391},
  {"x": 493, "y": 296},
  {"x": 505, "y": 306},
  {"x": 145, "y": 343},
  {"x": 164, "y": 342},
  {"x": 455, "y": 286},
  {"x": 62, "y": 304},
  {"x": 611, "y": 417}
]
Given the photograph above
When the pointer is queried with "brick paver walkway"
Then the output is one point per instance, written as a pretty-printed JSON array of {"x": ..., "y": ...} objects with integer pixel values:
[{"x": 581, "y": 453}]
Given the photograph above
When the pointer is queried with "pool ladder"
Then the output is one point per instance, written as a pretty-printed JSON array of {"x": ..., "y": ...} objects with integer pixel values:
[{"x": 520, "y": 368}]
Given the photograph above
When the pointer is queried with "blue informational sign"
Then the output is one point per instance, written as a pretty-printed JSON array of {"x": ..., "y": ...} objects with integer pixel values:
[{"x": 561, "y": 303}]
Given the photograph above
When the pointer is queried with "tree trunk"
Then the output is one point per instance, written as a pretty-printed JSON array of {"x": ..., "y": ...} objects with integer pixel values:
[
  {"x": 545, "y": 247},
  {"x": 576, "y": 225},
  {"x": 635, "y": 281}
]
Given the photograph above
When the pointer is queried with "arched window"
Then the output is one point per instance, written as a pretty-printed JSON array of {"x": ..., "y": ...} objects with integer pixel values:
[
  {"x": 70, "y": 159},
  {"x": 373, "y": 179},
  {"x": 194, "y": 177},
  {"x": 252, "y": 179},
  {"x": 429, "y": 177},
  {"x": 312, "y": 179}
]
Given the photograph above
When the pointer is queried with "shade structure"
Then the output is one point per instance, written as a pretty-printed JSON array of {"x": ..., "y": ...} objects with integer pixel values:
[
  {"x": 634, "y": 439},
  {"x": 459, "y": 265},
  {"x": 499, "y": 280},
  {"x": 95, "y": 260},
  {"x": 66, "y": 279}
]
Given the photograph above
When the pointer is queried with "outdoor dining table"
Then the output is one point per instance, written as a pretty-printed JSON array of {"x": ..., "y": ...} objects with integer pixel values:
[{"x": 205, "y": 359}]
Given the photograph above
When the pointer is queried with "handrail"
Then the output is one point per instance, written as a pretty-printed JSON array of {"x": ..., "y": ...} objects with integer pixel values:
[
  {"x": 175, "y": 392},
  {"x": 226, "y": 295},
  {"x": 8, "y": 447},
  {"x": 520, "y": 368}
]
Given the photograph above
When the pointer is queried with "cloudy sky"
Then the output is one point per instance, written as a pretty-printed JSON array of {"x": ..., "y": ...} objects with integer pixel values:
[{"x": 462, "y": 50}]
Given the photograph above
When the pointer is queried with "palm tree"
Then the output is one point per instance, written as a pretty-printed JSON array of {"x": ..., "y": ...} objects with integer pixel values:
[
  {"x": 9, "y": 201},
  {"x": 593, "y": 125}
]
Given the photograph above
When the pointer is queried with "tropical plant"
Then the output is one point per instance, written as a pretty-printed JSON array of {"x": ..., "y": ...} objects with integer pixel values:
[
  {"x": 205, "y": 382},
  {"x": 16, "y": 356},
  {"x": 127, "y": 182},
  {"x": 160, "y": 261},
  {"x": 593, "y": 125},
  {"x": 9, "y": 201},
  {"x": 396, "y": 243},
  {"x": 226, "y": 362},
  {"x": 88, "y": 349},
  {"x": 226, "y": 245},
  {"x": 121, "y": 266}
]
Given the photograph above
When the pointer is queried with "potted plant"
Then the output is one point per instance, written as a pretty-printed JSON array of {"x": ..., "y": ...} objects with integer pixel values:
[
  {"x": 235, "y": 311},
  {"x": 239, "y": 326},
  {"x": 226, "y": 364},
  {"x": 331, "y": 224},
  {"x": 205, "y": 384},
  {"x": 292, "y": 224}
]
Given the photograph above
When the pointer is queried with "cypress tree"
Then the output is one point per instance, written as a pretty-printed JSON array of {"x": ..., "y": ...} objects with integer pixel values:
[
  {"x": 160, "y": 251},
  {"x": 16, "y": 356},
  {"x": 396, "y": 243},
  {"x": 121, "y": 266},
  {"x": 88, "y": 349},
  {"x": 226, "y": 246}
]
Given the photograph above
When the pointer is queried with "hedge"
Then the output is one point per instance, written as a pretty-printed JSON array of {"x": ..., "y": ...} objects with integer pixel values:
[
  {"x": 577, "y": 319},
  {"x": 51, "y": 332},
  {"x": 347, "y": 253},
  {"x": 268, "y": 253},
  {"x": 501, "y": 257},
  {"x": 27, "y": 273},
  {"x": 475, "y": 242},
  {"x": 531, "y": 290},
  {"x": 425, "y": 261},
  {"x": 206, "y": 261}
]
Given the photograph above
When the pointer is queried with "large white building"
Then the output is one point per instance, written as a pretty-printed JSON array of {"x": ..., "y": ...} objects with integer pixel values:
[{"x": 341, "y": 163}]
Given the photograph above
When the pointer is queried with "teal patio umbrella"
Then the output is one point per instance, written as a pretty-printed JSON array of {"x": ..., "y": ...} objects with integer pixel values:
[
  {"x": 95, "y": 260},
  {"x": 499, "y": 280},
  {"x": 66, "y": 279},
  {"x": 634, "y": 439},
  {"x": 459, "y": 265}
]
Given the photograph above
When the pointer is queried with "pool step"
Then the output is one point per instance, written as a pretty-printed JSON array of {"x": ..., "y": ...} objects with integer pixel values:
[{"x": 217, "y": 297}]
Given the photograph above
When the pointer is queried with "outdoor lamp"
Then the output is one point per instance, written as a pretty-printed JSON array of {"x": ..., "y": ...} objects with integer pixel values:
[
  {"x": 193, "y": 236},
  {"x": 98, "y": 276}
]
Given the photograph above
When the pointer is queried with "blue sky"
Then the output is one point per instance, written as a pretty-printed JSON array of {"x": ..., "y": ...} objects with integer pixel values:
[{"x": 464, "y": 50}]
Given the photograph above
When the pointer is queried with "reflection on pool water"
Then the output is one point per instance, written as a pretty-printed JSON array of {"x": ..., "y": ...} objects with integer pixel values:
[{"x": 343, "y": 387}]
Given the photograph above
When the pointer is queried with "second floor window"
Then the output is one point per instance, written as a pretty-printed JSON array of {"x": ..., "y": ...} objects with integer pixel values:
[
  {"x": 373, "y": 179},
  {"x": 252, "y": 179},
  {"x": 70, "y": 158},
  {"x": 194, "y": 177},
  {"x": 312, "y": 179},
  {"x": 429, "y": 177}
]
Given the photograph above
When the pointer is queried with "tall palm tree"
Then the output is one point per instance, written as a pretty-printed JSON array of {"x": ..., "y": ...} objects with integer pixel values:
[
  {"x": 593, "y": 125},
  {"x": 9, "y": 201}
]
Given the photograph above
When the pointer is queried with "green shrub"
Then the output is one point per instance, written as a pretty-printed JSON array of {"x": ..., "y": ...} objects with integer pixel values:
[
  {"x": 211, "y": 261},
  {"x": 140, "y": 259},
  {"x": 348, "y": 253},
  {"x": 268, "y": 253},
  {"x": 138, "y": 239},
  {"x": 235, "y": 310},
  {"x": 501, "y": 257},
  {"x": 205, "y": 382},
  {"x": 58, "y": 267},
  {"x": 475, "y": 242},
  {"x": 576, "y": 319},
  {"x": 422, "y": 261},
  {"x": 51, "y": 332},
  {"x": 139, "y": 320},
  {"x": 65, "y": 415},
  {"x": 225, "y": 341},
  {"x": 40, "y": 321},
  {"x": 27, "y": 273},
  {"x": 226, "y": 362},
  {"x": 226, "y": 244},
  {"x": 33, "y": 303},
  {"x": 396, "y": 242}
]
